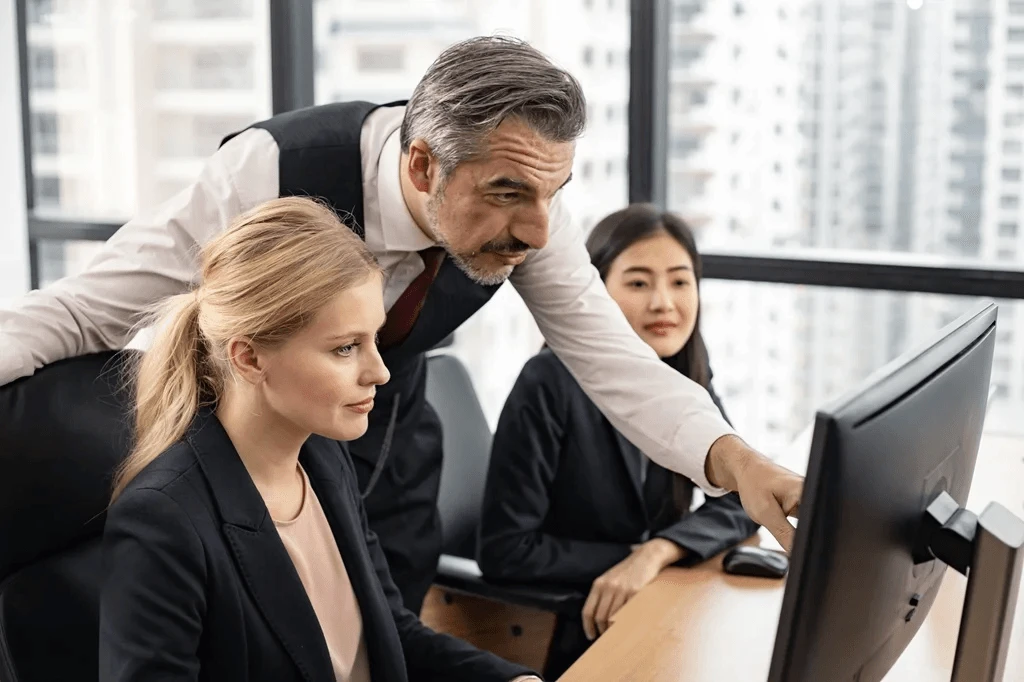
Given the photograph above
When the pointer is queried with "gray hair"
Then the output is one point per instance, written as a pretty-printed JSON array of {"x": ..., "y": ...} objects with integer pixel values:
[{"x": 476, "y": 84}]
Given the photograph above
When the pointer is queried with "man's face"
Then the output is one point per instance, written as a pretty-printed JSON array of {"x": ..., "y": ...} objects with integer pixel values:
[{"x": 492, "y": 210}]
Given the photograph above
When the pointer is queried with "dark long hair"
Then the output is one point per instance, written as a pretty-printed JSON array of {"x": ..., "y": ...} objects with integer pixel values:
[
  {"x": 616, "y": 233},
  {"x": 619, "y": 231}
]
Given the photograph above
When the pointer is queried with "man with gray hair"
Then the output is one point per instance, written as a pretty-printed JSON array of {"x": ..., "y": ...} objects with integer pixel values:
[{"x": 454, "y": 192}]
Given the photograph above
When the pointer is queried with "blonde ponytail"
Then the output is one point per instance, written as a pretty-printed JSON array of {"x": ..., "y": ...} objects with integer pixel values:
[{"x": 167, "y": 383}]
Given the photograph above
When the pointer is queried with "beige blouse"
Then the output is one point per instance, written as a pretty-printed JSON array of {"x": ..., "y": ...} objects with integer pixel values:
[{"x": 310, "y": 543}]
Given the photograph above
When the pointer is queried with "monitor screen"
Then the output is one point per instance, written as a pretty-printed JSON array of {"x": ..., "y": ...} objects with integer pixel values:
[{"x": 880, "y": 454}]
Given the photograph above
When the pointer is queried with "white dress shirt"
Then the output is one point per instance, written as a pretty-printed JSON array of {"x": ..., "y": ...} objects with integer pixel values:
[{"x": 155, "y": 255}]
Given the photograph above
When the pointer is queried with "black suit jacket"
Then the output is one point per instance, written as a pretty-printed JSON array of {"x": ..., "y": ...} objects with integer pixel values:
[
  {"x": 200, "y": 587},
  {"x": 563, "y": 500}
]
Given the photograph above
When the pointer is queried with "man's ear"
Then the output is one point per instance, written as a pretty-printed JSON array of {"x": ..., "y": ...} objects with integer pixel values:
[
  {"x": 245, "y": 360},
  {"x": 422, "y": 165}
]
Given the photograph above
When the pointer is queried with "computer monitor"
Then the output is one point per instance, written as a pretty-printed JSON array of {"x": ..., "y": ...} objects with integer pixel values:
[{"x": 880, "y": 455}]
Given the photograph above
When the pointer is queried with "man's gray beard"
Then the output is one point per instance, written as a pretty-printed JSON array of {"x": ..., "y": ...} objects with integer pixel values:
[{"x": 487, "y": 279}]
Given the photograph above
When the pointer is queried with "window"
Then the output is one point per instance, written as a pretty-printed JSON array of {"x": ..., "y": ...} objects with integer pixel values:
[
  {"x": 1009, "y": 202},
  {"x": 588, "y": 56},
  {"x": 42, "y": 68},
  {"x": 195, "y": 136},
  {"x": 1015, "y": 35},
  {"x": 1008, "y": 230},
  {"x": 1011, "y": 147},
  {"x": 1015, "y": 90},
  {"x": 205, "y": 68},
  {"x": 684, "y": 56},
  {"x": 374, "y": 58},
  {"x": 223, "y": 68},
  {"x": 39, "y": 11},
  {"x": 98, "y": 127},
  {"x": 47, "y": 191},
  {"x": 178, "y": 10},
  {"x": 44, "y": 132},
  {"x": 1011, "y": 174}
]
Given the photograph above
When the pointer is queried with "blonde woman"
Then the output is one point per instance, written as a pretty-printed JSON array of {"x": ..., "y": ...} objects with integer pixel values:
[{"x": 236, "y": 547}]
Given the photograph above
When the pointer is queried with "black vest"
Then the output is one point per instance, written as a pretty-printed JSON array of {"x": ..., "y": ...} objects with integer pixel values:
[{"x": 320, "y": 157}]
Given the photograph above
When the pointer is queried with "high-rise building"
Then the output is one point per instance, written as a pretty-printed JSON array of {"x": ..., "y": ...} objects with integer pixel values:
[
  {"x": 958, "y": 178},
  {"x": 128, "y": 98},
  {"x": 909, "y": 130},
  {"x": 734, "y": 173}
]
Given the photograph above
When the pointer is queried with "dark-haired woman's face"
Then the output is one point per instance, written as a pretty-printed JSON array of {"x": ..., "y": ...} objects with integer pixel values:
[{"x": 653, "y": 283}]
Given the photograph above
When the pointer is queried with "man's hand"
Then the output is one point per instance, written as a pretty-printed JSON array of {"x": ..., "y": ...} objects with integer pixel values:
[
  {"x": 621, "y": 582},
  {"x": 769, "y": 492}
]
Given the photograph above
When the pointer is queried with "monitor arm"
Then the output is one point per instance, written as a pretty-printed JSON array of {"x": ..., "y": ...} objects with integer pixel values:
[{"x": 988, "y": 549}]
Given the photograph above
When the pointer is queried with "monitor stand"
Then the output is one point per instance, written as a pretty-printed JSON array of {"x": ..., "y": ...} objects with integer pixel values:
[{"x": 988, "y": 549}]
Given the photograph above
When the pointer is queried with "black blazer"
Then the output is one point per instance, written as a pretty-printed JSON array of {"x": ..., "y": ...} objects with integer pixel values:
[
  {"x": 200, "y": 587},
  {"x": 563, "y": 500}
]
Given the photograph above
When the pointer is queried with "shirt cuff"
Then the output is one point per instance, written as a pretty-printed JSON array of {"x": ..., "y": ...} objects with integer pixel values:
[{"x": 696, "y": 434}]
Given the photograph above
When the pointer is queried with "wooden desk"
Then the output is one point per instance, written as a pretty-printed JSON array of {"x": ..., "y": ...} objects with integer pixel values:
[{"x": 700, "y": 624}]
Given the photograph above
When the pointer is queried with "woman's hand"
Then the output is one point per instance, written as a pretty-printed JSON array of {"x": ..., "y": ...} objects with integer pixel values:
[{"x": 617, "y": 585}]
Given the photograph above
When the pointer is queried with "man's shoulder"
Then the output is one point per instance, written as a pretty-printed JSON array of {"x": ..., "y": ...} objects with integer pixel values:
[{"x": 322, "y": 125}]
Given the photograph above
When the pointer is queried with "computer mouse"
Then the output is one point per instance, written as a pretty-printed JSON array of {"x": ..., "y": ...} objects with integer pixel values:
[{"x": 755, "y": 561}]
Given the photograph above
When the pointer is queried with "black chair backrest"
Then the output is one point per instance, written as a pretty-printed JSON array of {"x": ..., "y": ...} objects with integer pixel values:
[
  {"x": 467, "y": 451},
  {"x": 63, "y": 431}
]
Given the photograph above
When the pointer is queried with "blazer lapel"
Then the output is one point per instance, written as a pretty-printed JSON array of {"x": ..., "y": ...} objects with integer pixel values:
[
  {"x": 631, "y": 460},
  {"x": 262, "y": 559},
  {"x": 321, "y": 460}
]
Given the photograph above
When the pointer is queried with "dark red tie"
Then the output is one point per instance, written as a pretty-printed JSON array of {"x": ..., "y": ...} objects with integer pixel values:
[{"x": 406, "y": 309}]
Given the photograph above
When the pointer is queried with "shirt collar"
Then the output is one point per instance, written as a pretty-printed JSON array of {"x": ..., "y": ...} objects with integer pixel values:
[{"x": 401, "y": 233}]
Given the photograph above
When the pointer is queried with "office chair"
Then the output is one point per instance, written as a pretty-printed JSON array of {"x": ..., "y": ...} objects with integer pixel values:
[
  {"x": 467, "y": 447},
  {"x": 63, "y": 431}
]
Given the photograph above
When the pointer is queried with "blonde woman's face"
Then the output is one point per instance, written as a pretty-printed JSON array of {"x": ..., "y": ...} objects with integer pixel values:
[{"x": 323, "y": 379}]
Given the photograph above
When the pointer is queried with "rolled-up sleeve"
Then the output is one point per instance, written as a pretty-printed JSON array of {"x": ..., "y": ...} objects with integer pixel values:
[
  {"x": 153, "y": 256},
  {"x": 667, "y": 416}
]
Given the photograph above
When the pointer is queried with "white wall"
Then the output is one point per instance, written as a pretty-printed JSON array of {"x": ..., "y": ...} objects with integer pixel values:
[{"x": 14, "y": 270}]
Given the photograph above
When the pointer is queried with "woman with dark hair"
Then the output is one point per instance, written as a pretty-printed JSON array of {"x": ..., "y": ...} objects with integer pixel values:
[{"x": 568, "y": 498}]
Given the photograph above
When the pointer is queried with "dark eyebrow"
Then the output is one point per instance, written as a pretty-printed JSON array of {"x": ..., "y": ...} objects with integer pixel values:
[
  {"x": 509, "y": 183},
  {"x": 518, "y": 185},
  {"x": 648, "y": 271}
]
